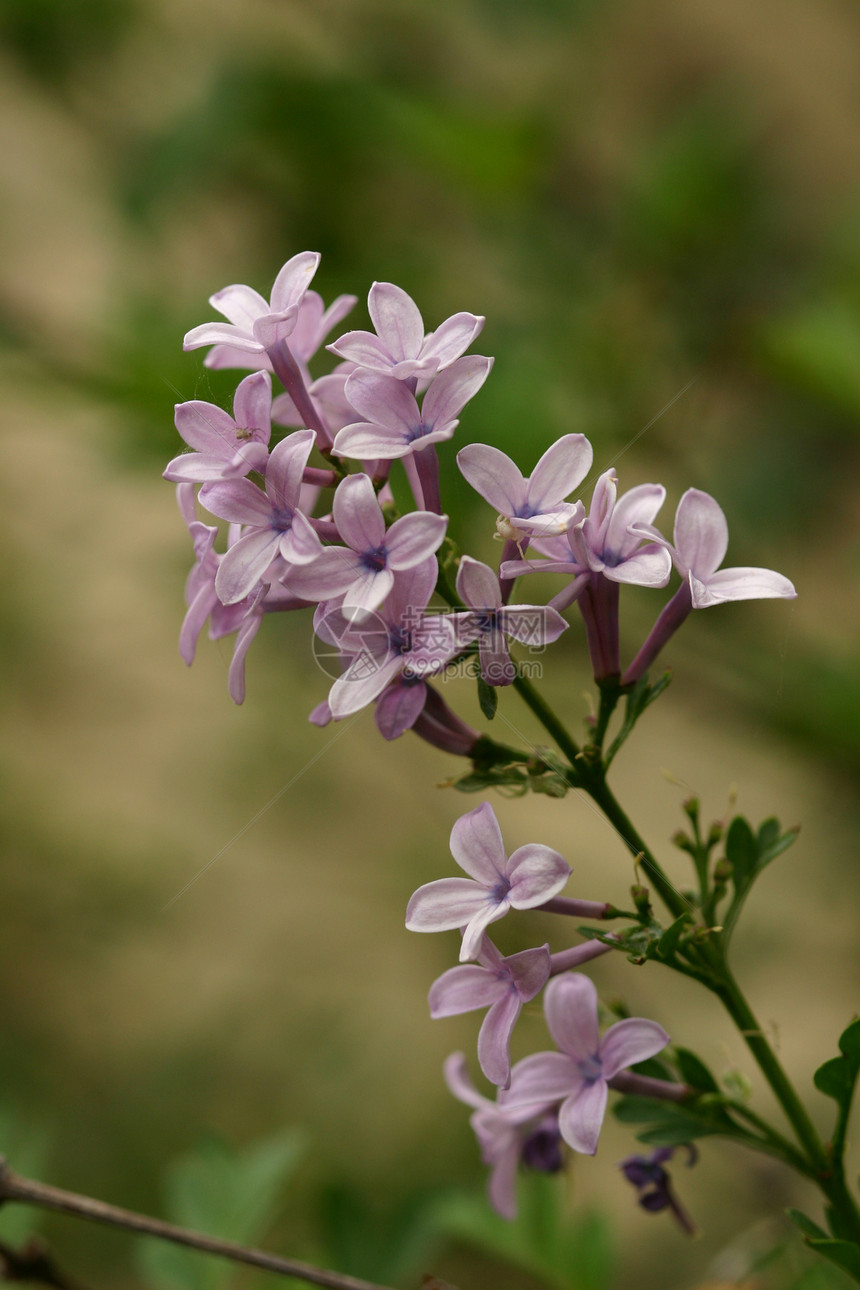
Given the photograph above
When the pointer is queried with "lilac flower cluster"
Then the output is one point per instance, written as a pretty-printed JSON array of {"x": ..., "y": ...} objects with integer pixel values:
[{"x": 310, "y": 522}]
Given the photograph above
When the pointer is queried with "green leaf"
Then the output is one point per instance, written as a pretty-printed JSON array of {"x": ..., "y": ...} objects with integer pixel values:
[
  {"x": 513, "y": 777},
  {"x": 741, "y": 852},
  {"x": 668, "y": 942},
  {"x": 488, "y": 698},
  {"x": 670, "y": 1124},
  {"x": 806, "y": 1225},
  {"x": 845, "y": 1254},
  {"x": 836, "y": 1078},
  {"x": 695, "y": 1072},
  {"x": 748, "y": 854}
]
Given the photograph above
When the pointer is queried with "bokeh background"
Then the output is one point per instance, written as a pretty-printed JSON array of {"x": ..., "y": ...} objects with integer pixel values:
[{"x": 656, "y": 206}]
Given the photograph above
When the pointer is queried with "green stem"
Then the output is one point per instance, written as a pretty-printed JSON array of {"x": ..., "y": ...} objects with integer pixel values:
[{"x": 547, "y": 718}]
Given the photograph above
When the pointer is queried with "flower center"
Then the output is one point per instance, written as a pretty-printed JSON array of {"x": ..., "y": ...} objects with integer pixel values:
[
  {"x": 590, "y": 1068},
  {"x": 375, "y": 559}
]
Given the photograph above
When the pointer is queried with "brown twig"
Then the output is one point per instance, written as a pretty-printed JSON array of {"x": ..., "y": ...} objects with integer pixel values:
[{"x": 26, "y": 1190}]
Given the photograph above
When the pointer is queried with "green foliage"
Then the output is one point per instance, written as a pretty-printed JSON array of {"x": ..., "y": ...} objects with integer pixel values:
[
  {"x": 488, "y": 698},
  {"x": 568, "y": 1251},
  {"x": 749, "y": 854},
  {"x": 670, "y": 1124},
  {"x": 224, "y": 1192},
  {"x": 388, "y": 1248}
]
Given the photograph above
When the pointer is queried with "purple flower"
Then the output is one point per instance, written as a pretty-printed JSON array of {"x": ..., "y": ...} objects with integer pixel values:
[
  {"x": 507, "y": 1136},
  {"x": 654, "y": 1185},
  {"x": 256, "y": 325},
  {"x": 497, "y": 883},
  {"x": 394, "y": 425},
  {"x": 225, "y": 447},
  {"x": 501, "y": 984},
  {"x": 491, "y": 620},
  {"x": 578, "y": 1076},
  {"x": 363, "y": 572},
  {"x": 313, "y": 323},
  {"x": 399, "y": 639},
  {"x": 701, "y": 540},
  {"x": 274, "y": 525},
  {"x": 533, "y": 506},
  {"x": 400, "y": 348}
]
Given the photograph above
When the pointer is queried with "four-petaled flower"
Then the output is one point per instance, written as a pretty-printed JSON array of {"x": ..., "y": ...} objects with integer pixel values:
[
  {"x": 578, "y": 1076},
  {"x": 400, "y": 348},
  {"x": 532, "y": 507},
  {"x": 363, "y": 572},
  {"x": 532, "y": 875},
  {"x": 225, "y": 447},
  {"x": 257, "y": 325},
  {"x": 500, "y": 984}
]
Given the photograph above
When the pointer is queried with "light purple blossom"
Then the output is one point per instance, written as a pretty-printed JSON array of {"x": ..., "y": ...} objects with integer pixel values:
[
  {"x": 701, "y": 540},
  {"x": 491, "y": 620},
  {"x": 274, "y": 525},
  {"x": 500, "y": 984},
  {"x": 400, "y": 347},
  {"x": 400, "y": 638},
  {"x": 225, "y": 447},
  {"x": 256, "y": 325},
  {"x": 534, "y": 506},
  {"x": 579, "y": 1075},
  {"x": 363, "y": 572},
  {"x": 394, "y": 425},
  {"x": 506, "y": 1136},
  {"x": 313, "y": 323},
  {"x": 496, "y": 883}
]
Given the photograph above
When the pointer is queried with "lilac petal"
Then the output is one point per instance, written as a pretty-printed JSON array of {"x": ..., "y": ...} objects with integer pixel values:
[
  {"x": 398, "y": 708},
  {"x": 452, "y": 337},
  {"x": 242, "y": 567},
  {"x": 561, "y": 469},
  {"x": 434, "y": 644},
  {"x": 367, "y": 441},
  {"x": 529, "y": 971},
  {"x": 364, "y": 349},
  {"x": 358, "y": 515},
  {"x": 226, "y": 356},
  {"x": 562, "y": 517},
  {"x": 452, "y": 389},
  {"x": 494, "y": 659},
  {"x": 477, "y": 846},
  {"x": 494, "y": 1038},
  {"x": 478, "y": 585},
  {"x": 493, "y": 476},
  {"x": 195, "y": 619},
  {"x": 630, "y": 1041},
  {"x": 362, "y": 682},
  {"x": 701, "y": 533},
  {"x": 221, "y": 334},
  {"x": 650, "y": 566},
  {"x": 252, "y": 404},
  {"x": 637, "y": 506},
  {"x": 570, "y": 1004},
  {"x": 502, "y": 1183},
  {"x": 465, "y": 988},
  {"x": 206, "y": 428},
  {"x": 293, "y": 281},
  {"x": 286, "y": 466},
  {"x": 447, "y": 903},
  {"x": 300, "y": 544},
  {"x": 240, "y": 304},
  {"x": 741, "y": 583},
  {"x": 413, "y": 538},
  {"x": 412, "y": 589},
  {"x": 285, "y": 412},
  {"x": 383, "y": 401},
  {"x": 459, "y": 1081},
  {"x": 367, "y": 592},
  {"x": 536, "y": 873},
  {"x": 197, "y": 468},
  {"x": 474, "y": 930},
  {"x": 580, "y": 1117},
  {"x": 397, "y": 320},
  {"x": 532, "y": 624},
  {"x": 330, "y": 574},
  {"x": 246, "y": 634},
  {"x": 541, "y": 1079},
  {"x": 239, "y": 501},
  {"x": 321, "y": 714}
]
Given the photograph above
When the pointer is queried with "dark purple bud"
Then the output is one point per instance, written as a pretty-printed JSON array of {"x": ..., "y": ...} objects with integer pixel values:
[{"x": 541, "y": 1150}]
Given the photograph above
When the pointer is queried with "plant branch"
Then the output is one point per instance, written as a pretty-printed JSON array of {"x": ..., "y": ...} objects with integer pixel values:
[{"x": 25, "y": 1190}]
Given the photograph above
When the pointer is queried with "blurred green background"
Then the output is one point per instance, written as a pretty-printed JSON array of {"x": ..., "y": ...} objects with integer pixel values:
[{"x": 647, "y": 201}]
